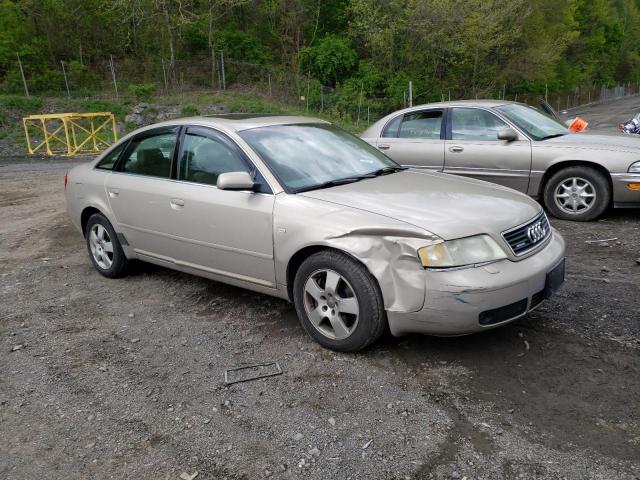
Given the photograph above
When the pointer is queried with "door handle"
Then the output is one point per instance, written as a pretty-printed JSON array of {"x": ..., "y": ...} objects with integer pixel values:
[
  {"x": 384, "y": 146},
  {"x": 177, "y": 203},
  {"x": 114, "y": 192},
  {"x": 456, "y": 149}
]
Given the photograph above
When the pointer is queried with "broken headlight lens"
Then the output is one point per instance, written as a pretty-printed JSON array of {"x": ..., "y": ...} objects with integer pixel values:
[
  {"x": 461, "y": 252},
  {"x": 634, "y": 168}
]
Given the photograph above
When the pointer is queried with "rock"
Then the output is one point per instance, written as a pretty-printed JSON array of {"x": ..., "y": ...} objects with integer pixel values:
[
  {"x": 131, "y": 315},
  {"x": 90, "y": 445},
  {"x": 366, "y": 445},
  {"x": 605, "y": 269},
  {"x": 15, "y": 348},
  {"x": 389, "y": 405},
  {"x": 134, "y": 118},
  {"x": 267, "y": 473},
  {"x": 102, "y": 368},
  {"x": 332, "y": 421},
  {"x": 135, "y": 340},
  {"x": 314, "y": 452},
  {"x": 638, "y": 261},
  {"x": 141, "y": 107},
  {"x": 455, "y": 474},
  {"x": 297, "y": 437},
  {"x": 186, "y": 476},
  {"x": 603, "y": 244}
]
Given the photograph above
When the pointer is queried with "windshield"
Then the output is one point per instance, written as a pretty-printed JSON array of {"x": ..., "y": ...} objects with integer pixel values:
[
  {"x": 534, "y": 123},
  {"x": 307, "y": 156}
]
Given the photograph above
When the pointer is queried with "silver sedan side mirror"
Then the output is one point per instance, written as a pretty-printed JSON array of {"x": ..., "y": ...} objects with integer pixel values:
[
  {"x": 507, "y": 134},
  {"x": 235, "y": 181}
]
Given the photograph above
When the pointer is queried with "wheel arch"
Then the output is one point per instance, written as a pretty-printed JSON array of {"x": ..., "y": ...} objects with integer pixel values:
[
  {"x": 301, "y": 255},
  {"x": 85, "y": 215},
  {"x": 556, "y": 167}
]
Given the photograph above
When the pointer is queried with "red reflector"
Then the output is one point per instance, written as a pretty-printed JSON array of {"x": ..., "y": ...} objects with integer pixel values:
[{"x": 65, "y": 181}]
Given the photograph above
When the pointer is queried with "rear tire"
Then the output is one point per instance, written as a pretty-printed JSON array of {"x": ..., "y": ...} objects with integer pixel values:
[
  {"x": 577, "y": 193},
  {"x": 338, "y": 302},
  {"x": 104, "y": 247}
]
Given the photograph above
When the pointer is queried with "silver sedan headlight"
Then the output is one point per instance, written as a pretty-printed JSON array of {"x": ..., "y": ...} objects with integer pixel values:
[
  {"x": 461, "y": 252},
  {"x": 634, "y": 167}
]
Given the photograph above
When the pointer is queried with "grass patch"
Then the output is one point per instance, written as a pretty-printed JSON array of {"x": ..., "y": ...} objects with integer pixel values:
[{"x": 24, "y": 104}]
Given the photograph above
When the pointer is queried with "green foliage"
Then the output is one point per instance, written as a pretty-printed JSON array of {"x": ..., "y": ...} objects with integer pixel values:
[
  {"x": 331, "y": 60},
  {"x": 142, "y": 92},
  {"x": 243, "y": 46},
  {"x": 26, "y": 105},
  {"x": 189, "y": 111}
]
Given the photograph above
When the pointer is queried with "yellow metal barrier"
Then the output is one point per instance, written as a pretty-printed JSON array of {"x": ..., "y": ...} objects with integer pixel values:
[{"x": 69, "y": 133}]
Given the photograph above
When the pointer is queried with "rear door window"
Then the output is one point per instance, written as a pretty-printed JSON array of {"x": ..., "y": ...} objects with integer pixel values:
[
  {"x": 151, "y": 155},
  {"x": 424, "y": 125},
  {"x": 108, "y": 162}
]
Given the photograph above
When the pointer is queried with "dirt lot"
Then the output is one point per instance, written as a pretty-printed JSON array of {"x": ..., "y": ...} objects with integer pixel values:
[{"x": 124, "y": 378}]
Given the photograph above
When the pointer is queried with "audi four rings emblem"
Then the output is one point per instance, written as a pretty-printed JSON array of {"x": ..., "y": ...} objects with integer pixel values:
[{"x": 536, "y": 232}]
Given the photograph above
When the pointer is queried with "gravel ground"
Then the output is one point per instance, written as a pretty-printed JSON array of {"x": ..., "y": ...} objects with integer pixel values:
[{"x": 123, "y": 378}]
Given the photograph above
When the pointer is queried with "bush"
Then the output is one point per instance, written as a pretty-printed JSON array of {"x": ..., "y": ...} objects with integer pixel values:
[
  {"x": 143, "y": 92},
  {"x": 331, "y": 60},
  {"x": 189, "y": 111}
]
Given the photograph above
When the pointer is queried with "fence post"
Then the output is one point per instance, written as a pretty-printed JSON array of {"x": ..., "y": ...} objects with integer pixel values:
[
  {"x": 270, "y": 92},
  {"x": 24, "y": 80},
  {"x": 224, "y": 80},
  {"x": 113, "y": 74},
  {"x": 66, "y": 82},
  {"x": 164, "y": 76},
  {"x": 321, "y": 98},
  {"x": 410, "y": 93},
  {"x": 360, "y": 103}
]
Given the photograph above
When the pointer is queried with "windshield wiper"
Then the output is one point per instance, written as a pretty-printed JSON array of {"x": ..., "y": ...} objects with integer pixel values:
[
  {"x": 555, "y": 135},
  {"x": 385, "y": 171},
  {"x": 330, "y": 183}
]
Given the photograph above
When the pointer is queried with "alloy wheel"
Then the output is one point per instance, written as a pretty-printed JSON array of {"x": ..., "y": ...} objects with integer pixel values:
[
  {"x": 331, "y": 304},
  {"x": 575, "y": 195},
  {"x": 101, "y": 246}
]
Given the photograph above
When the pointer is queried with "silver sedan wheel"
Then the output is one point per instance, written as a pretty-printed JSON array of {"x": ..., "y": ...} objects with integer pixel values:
[
  {"x": 101, "y": 246},
  {"x": 575, "y": 195},
  {"x": 331, "y": 304}
]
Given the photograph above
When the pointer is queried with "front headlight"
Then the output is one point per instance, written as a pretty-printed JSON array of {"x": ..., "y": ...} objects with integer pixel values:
[
  {"x": 634, "y": 167},
  {"x": 461, "y": 252}
]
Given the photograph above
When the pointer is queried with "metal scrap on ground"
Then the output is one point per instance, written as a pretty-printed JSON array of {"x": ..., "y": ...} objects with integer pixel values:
[{"x": 261, "y": 370}]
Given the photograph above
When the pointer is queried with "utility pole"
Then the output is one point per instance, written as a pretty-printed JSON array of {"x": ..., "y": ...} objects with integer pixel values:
[{"x": 24, "y": 80}]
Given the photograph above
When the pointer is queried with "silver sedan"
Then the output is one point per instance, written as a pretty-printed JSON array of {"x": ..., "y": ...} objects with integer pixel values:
[
  {"x": 299, "y": 209},
  {"x": 576, "y": 176}
]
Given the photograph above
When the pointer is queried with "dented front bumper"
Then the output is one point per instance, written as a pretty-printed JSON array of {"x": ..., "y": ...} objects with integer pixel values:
[{"x": 457, "y": 301}]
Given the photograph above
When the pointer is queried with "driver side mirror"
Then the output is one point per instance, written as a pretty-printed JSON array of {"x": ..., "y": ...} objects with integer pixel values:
[
  {"x": 235, "y": 181},
  {"x": 507, "y": 134}
]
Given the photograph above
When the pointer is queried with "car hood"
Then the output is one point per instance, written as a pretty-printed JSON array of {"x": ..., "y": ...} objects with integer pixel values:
[
  {"x": 446, "y": 205},
  {"x": 618, "y": 143}
]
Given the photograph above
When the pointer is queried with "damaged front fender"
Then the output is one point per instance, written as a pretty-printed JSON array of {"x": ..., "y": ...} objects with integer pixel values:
[{"x": 387, "y": 247}]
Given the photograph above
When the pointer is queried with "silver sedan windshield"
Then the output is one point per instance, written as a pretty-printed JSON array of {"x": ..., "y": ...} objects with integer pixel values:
[
  {"x": 307, "y": 156},
  {"x": 534, "y": 123}
]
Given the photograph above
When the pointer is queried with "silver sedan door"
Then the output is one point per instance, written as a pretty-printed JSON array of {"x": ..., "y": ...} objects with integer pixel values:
[
  {"x": 473, "y": 149},
  {"x": 415, "y": 139},
  {"x": 222, "y": 232},
  {"x": 139, "y": 191}
]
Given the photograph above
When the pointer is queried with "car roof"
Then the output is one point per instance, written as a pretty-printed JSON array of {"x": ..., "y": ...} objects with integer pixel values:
[
  {"x": 462, "y": 103},
  {"x": 238, "y": 122}
]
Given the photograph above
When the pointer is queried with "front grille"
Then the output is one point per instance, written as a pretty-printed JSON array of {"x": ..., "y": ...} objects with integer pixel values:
[
  {"x": 501, "y": 314},
  {"x": 525, "y": 238}
]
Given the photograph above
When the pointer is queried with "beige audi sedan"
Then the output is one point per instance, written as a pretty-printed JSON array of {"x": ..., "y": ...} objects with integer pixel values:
[
  {"x": 576, "y": 176},
  {"x": 299, "y": 209}
]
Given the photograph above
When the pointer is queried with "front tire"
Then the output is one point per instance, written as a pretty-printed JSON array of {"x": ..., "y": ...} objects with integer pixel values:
[
  {"x": 338, "y": 302},
  {"x": 577, "y": 193},
  {"x": 104, "y": 247}
]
